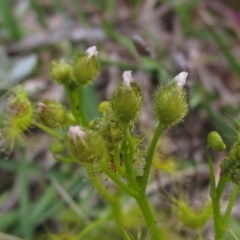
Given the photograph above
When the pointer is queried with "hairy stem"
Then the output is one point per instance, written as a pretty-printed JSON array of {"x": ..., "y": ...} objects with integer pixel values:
[
  {"x": 149, "y": 217},
  {"x": 121, "y": 184},
  {"x": 229, "y": 208},
  {"x": 217, "y": 218},
  {"x": 151, "y": 151}
]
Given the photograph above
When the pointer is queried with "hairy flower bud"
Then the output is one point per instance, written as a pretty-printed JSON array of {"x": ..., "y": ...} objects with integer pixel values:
[
  {"x": 181, "y": 79},
  {"x": 87, "y": 147},
  {"x": 56, "y": 147},
  {"x": 86, "y": 67},
  {"x": 192, "y": 217},
  {"x": 126, "y": 100},
  {"x": 53, "y": 114},
  {"x": 18, "y": 117},
  {"x": 103, "y": 107},
  {"x": 215, "y": 141},
  {"x": 170, "y": 102},
  {"x": 230, "y": 166},
  {"x": 60, "y": 71}
]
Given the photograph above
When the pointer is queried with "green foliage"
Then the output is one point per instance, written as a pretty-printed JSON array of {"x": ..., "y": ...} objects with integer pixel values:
[{"x": 110, "y": 128}]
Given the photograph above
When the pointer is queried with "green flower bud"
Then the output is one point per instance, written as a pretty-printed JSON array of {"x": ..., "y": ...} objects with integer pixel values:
[
  {"x": 227, "y": 166},
  {"x": 127, "y": 99},
  {"x": 96, "y": 124},
  {"x": 235, "y": 176},
  {"x": 230, "y": 166},
  {"x": 53, "y": 114},
  {"x": 215, "y": 141},
  {"x": 18, "y": 117},
  {"x": 86, "y": 67},
  {"x": 87, "y": 147},
  {"x": 111, "y": 131},
  {"x": 170, "y": 102},
  {"x": 56, "y": 148},
  {"x": 60, "y": 71},
  {"x": 103, "y": 106}
]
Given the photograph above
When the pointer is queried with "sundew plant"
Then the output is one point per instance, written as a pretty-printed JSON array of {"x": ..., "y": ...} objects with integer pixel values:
[{"x": 109, "y": 145}]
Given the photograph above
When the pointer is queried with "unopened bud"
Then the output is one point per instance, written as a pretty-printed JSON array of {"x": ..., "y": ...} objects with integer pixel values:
[
  {"x": 170, "y": 102},
  {"x": 87, "y": 147},
  {"x": 53, "y": 114},
  {"x": 103, "y": 107},
  {"x": 60, "y": 71},
  {"x": 56, "y": 148},
  {"x": 86, "y": 66},
  {"x": 215, "y": 141},
  {"x": 127, "y": 78},
  {"x": 126, "y": 100},
  {"x": 181, "y": 79}
]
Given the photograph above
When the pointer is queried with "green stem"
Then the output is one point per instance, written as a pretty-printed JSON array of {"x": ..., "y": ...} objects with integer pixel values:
[
  {"x": 121, "y": 184},
  {"x": 217, "y": 218},
  {"x": 49, "y": 131},
  {"x": 199, "y": 232},
  {"x": 128, "y": 161},
  {"x": 113, "y": 201},
  {"x": 151, "y": 151},
  {"x": 117, "y": 160},
  {"x": 148, "y": 216},
  {"x": 229, "y": 208},
  {"x": 101, "y": 189},
  {"x": 221, "y": 185},
  {"x": 72, "y": 101},
  {"x": 212, "y": 175},
  {"x": 80, "y": 106},
  {"x": 65, "y": 159}
]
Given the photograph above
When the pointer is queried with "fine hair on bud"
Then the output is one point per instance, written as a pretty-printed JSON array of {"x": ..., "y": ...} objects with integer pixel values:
[
  {"x": 86, "y": 67},
  {"x": 170, "y": 103},
  {"x": 86, "y": 147},
  {"x": 53, "y": 114},
  {"x": 230, "y": 166},
  {"x": 18, "y": 117},
  {"x": 127, "y": 99},
  {"x": 60, "y": 71}
]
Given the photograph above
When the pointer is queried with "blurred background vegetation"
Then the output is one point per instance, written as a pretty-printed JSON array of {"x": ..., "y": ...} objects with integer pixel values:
[{"x": 156, "y": 39}]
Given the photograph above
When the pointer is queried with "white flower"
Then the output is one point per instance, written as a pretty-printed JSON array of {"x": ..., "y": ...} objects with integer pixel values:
[
  {"x": 181, "y": 78},
  {"x": 127, "y": 78},
  {"x": 76, "y": 131},
  {"x": 41, "y": 106},
  {"x": 91, "y": 51}
]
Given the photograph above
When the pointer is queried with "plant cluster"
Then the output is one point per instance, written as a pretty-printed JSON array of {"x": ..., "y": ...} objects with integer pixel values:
[{"x": 108, "y": 143}]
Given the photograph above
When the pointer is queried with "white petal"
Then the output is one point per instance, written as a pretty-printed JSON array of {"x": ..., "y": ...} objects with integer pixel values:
[
  {"x": 181, "y": 78},
  {"x": 127, "y": 78},
  {"x": 76, "y": 131},
  {"x": 92, "y": 51},
  {"x": 41, "y": 106}
]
